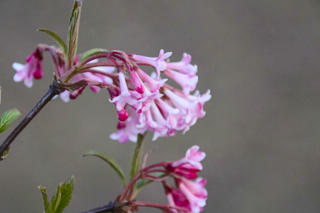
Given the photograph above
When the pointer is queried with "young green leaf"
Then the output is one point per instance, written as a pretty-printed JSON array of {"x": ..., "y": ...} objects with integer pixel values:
[
  {"x": 136, "y": 158},
  {"x": 7, "y": 118},
  {"x": 46, "y": 203},
  {"x": 92, "y": 52},
  {"x": 66, "y": 190},
  {"x": 74, "y": 31},
  {"x": 61, "y": 198},
  {"x": 55, "y": 201},
  {"x": 57, "y": 38},
  {"x": 115, "y": 166}
]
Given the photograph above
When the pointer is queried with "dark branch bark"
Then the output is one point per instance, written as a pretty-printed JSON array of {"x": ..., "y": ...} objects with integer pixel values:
[
  {"x": 54, "y": 89},
  {"x": 102, "y": 209}
]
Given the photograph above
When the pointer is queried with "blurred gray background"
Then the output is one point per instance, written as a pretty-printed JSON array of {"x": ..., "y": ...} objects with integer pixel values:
[{"x": 261, "y": 59}]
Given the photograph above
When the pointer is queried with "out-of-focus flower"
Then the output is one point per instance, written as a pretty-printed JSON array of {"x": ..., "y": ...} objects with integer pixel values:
[
  {"x": 31, "y": 70},
  {"x": 190, "y": 192},
  {"x": 190, "y": 165},
  {"x": 195, "y": 192},
  {"x": 184, "y": 192},
  {"x": 177, "y": 198}
]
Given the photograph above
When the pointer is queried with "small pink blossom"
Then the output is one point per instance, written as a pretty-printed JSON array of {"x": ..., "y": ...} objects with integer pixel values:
[
  {"x": 31, "y": 70},
  {"x": 195, "y": 193},
  {"x": 126, "y": 96},
  {"x": 176, "y": 198},
  {"x": 187, "y": 83},
  {"x": 184, "y": 66},
  {"x": 190, "y": 192},
  {"x": 190, "y": 165},
  {"x": 159, "y": 63}
]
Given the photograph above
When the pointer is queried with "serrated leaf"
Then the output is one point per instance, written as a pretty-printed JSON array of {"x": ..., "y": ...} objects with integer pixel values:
[
  {"x": 61, "y": 198},
  {"x": 92, "y": 52},
  {"x": 136, "y": 158},
  {"x": 46, "y": 203},
  {"x": 114, "y": 165},
  {"x": 7, "y": 118},
  {"x": 66, "y": 190},
  {"x": 55, "y": 201},
  {"x": 57, "y": 38},
  {"x": 74, "y": 30}
]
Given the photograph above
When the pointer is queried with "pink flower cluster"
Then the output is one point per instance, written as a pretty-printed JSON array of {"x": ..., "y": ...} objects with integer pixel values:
[
  {"x": 190, "y": 192},
  {"x": 147, "y": 102},
  {"x": 143, "y": 101},
  {"x": 186, "y": 194}
]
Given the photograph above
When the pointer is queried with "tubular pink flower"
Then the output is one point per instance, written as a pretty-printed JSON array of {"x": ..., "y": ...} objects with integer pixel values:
[
  {"x": 189, "y": 106},
  {"x": 195, "y": 192},
  {"x": 184, "y": 66},
  {"x": 190, "y": 165},
  {"x": 31, "y": 70},
  {"x": 177, "y": 198},
  {"x": 158, "y": 63},
  {"x": 186, "y": 82},
  {"x": 126, "y": 96},
  {"x": 153, "y": 84}
]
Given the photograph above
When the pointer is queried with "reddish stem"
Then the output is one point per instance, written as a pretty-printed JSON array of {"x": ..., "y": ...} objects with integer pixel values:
[
  {"x": 159, "y": 206},
  {"x": 98, "y": 64},
  {"x": 102, "y": 55},
  {"x": 99, "y": 72},
  {"x": 129, "y": 187}
]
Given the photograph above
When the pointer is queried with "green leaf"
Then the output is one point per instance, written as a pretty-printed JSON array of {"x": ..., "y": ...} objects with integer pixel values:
[
  {"x": 57, "y": 38},
  {"x": 55, "y": 200},
  {"x": 136, "y": 158},
  {"x": 115, "y": 166},
  {"x": 92, "y": 52},
  {"x": 61, "y": 199},
  {"x": 74, "y": 30},
  {"x": 66, "y": 190},
  {"x": 7, "y": 118},
  {"x": 46, "y": 203}
]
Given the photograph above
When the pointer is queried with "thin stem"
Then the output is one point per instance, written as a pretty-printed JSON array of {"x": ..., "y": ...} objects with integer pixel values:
[
  {"x": 129, "y": 187},
  {"x": 54, "y": 89},
  {"x": 159, "y": 206},
  {"x": 161, "y": 164},
  {"x": 102, "y": 55},
  {"x": 98, "y": 64},
  {"x": 113, "y": 76},
  {"x": 136, "y": 158}
]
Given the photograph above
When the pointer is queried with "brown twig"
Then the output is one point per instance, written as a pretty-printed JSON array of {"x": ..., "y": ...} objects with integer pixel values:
[{"x": 54, "y": 89}]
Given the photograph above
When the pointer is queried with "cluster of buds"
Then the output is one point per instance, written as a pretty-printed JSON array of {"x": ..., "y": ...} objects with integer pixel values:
[
  {"x": 143, "y": 101},
  {"x": 188, "y": 194}
]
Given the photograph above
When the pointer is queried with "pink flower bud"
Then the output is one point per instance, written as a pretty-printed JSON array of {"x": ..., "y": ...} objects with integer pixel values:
[{"x": 123, "y": 115}]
